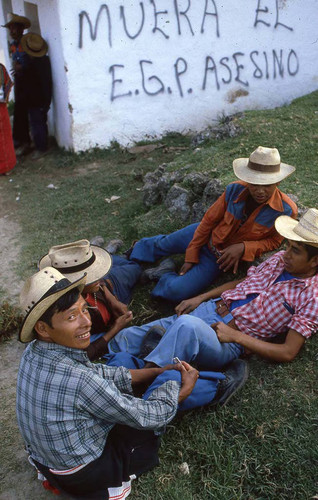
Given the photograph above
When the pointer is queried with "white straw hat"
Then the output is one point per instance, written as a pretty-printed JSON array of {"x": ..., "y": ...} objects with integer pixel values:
[
  {"x": 306, "y": 230},
  {"x": 77, "y": 257},
  {"x": 262, "y": 167},
  {"x": 39, "y": 292}
]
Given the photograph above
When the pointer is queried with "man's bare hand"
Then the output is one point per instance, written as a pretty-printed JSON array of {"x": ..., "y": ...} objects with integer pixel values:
[
  {"x": 189, "y": 376},
  {"x": 185, "y": 268},
  {"x": 224, "y": 332},
  {"x": 118, "y": 308},
  {"x": 186, "y": 306},
  {"x": 230, "y": 257},
  {"x": 123, "y": 321}
]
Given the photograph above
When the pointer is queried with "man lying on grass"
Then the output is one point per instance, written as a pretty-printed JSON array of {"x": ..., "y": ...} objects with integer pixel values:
[
  {"x": 82, "y": 425},
  {"x": 277, "y": 300}
]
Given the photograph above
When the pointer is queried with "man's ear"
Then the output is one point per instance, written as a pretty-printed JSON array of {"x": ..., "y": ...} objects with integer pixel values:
[
  {"x": 41, "y": 329},
  {"x": 314, "y": 262}
]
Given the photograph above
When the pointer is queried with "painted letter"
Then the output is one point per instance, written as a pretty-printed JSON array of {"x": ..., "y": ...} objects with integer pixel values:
[
  {"x": 278, "y": 62},
  {"x": 116, "y": 80},
  {"x": 207, "y": 68},
  {"x": 122, "y": 15},
  {"x": 184, "y": 13},
  {"x": 227, "y": 67},
  {"x": 155, "y": 78},
  {"x": 180, "y": 72},
  {"x": 157, "y": 13},
  {"x": 260, "y": 10},
  {"x": 93, "y": 31},
  {"x": 277, "y": 19},
  {"x": 258, "y": 73},
  {"x": 238, "y": 67},
  {"x": 206, "y": 13},
  {"x": 292, "y": 53}
]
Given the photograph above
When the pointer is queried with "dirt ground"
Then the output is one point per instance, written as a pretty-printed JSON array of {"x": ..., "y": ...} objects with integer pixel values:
[{"x": 18, "y": 479}]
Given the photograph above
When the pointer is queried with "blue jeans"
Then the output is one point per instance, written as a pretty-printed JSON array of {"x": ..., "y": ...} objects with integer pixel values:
[
  {"x": 38, "y": 125},
  {"x": 203, "y": 393},
  {"x": 189, "y": 337},
  {"x": 171, "y": 286},
  {"x": 123, "y": 275}
]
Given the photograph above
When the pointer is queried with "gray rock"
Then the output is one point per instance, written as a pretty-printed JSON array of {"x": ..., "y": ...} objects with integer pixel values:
[
  {"x": 196, "y": 182},
  {"x": 178, "y": 202},
  {"x": 211, "y": 192},
  {"x": 198, "y": 210},
  {"x": 151, "y": 194}
]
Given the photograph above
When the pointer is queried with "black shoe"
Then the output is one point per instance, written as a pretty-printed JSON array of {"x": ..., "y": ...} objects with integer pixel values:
[
  {"x": 155, "y": 273},
  {"x": 113, "y": 246},
  {"x": 236, "y": 376},
  {"x": 151, "y": 340}
]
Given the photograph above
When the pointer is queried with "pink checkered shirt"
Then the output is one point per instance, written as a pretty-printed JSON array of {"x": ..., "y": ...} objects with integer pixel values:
[{"x": 267, "y": 316}]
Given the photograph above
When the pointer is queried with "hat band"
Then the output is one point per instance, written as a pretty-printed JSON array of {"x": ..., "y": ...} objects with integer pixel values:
[
  {"x": 80, "y": 267},
  {"x": 63, "y": 283},
  {"x": 259, "y": 167}
]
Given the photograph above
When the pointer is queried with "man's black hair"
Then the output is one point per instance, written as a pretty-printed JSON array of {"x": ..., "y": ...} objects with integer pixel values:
[
  {"x": 311, "y": 250},
  {"x": 62, "y": 304}
]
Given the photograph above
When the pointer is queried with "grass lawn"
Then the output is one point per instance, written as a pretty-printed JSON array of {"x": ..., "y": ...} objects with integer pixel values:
[{"x": 264, "y": 445}]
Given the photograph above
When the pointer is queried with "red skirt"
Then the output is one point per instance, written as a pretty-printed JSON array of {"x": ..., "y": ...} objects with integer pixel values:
[{"x": 7, "y": 154}]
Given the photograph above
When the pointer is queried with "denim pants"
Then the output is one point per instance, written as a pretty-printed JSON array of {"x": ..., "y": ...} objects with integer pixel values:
[
  {"x": 171, "y": 286},
  {"x": 124, "y": 275},
  {"x": 39, "y": 129},
  {"x": 189, "y": 337}
]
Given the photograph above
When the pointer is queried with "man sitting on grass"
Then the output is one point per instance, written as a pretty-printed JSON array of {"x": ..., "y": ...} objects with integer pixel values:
[
  {"x": 83, "y": 427},
  {"x": 238, "y": 226},
  {"x": 278, "y": 299}
]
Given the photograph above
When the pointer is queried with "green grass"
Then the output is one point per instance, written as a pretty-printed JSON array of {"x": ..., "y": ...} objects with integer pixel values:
[{"x": 264, "y": 445}]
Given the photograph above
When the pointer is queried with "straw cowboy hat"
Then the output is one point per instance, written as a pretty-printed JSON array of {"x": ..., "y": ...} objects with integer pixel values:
[
  {"x": 39, "y": 292},
  {"x": 262, "y": 167},
  {"x": 73, "y": 259},
  {"x": 306, "y": 230},
  {"x": 15, "y": 19},
  {"x": 34, "y": 45}
]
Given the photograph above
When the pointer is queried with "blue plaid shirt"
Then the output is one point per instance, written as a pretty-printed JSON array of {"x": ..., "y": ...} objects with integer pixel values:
[{"x": 67, "y": 405}]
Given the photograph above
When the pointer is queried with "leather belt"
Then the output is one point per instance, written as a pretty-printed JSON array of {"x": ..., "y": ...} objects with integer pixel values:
[{"x": 223, "y": 310}]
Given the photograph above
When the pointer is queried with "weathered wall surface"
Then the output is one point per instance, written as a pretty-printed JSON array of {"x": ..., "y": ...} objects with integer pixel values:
[
  {"x": 137, "y": 69},
  {"x": 141, "y": 68}
]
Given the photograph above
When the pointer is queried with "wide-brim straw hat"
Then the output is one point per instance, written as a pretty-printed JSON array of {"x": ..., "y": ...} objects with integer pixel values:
[
  {"x": 39, "y": 292},
  {"x": 73, "y": 259},
  {"x": 305, "y": 230},
  {"x": 15, "y": 19},
  {"x": 262, "y": 167},
  {"x": 34, "y": 45}
]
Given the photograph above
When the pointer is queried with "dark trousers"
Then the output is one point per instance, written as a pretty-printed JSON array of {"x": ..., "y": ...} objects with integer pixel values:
[
  {"x": 20, "y": 131},
  {"x": 127, "y": 451},
  {"x": 39, "y": 130}
]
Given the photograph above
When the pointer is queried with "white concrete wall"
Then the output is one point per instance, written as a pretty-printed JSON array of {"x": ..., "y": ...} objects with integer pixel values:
[
  {"x": 152, "y": 66},
  {"x": 217, "y": 57}
]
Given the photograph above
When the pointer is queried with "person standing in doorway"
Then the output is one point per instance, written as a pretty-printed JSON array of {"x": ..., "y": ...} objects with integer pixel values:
[
  {"x": 21, "y": 138},
  {"x": 38, "y": 90}
]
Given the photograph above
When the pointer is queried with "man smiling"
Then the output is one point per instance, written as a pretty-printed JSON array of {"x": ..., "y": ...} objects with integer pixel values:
[{"x": 83, "y": 427}]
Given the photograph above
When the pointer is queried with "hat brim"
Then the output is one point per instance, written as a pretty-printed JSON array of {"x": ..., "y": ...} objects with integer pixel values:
[
  {"x": 94, "y": 272},
  {"x": 241, "y": 170},
  {"x": 26, "y": 333},
  {"x": 30, "y": 52},
  {"x": 285, "y": 226}
]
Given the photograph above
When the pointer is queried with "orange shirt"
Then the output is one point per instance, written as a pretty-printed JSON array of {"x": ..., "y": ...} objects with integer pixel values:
[{"x": 222, "y": 224}]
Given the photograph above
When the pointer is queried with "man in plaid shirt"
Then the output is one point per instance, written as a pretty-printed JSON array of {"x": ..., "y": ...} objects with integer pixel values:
[
  {"x": 81, "y": 423},
  {"x": 279, "y": 298}
]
